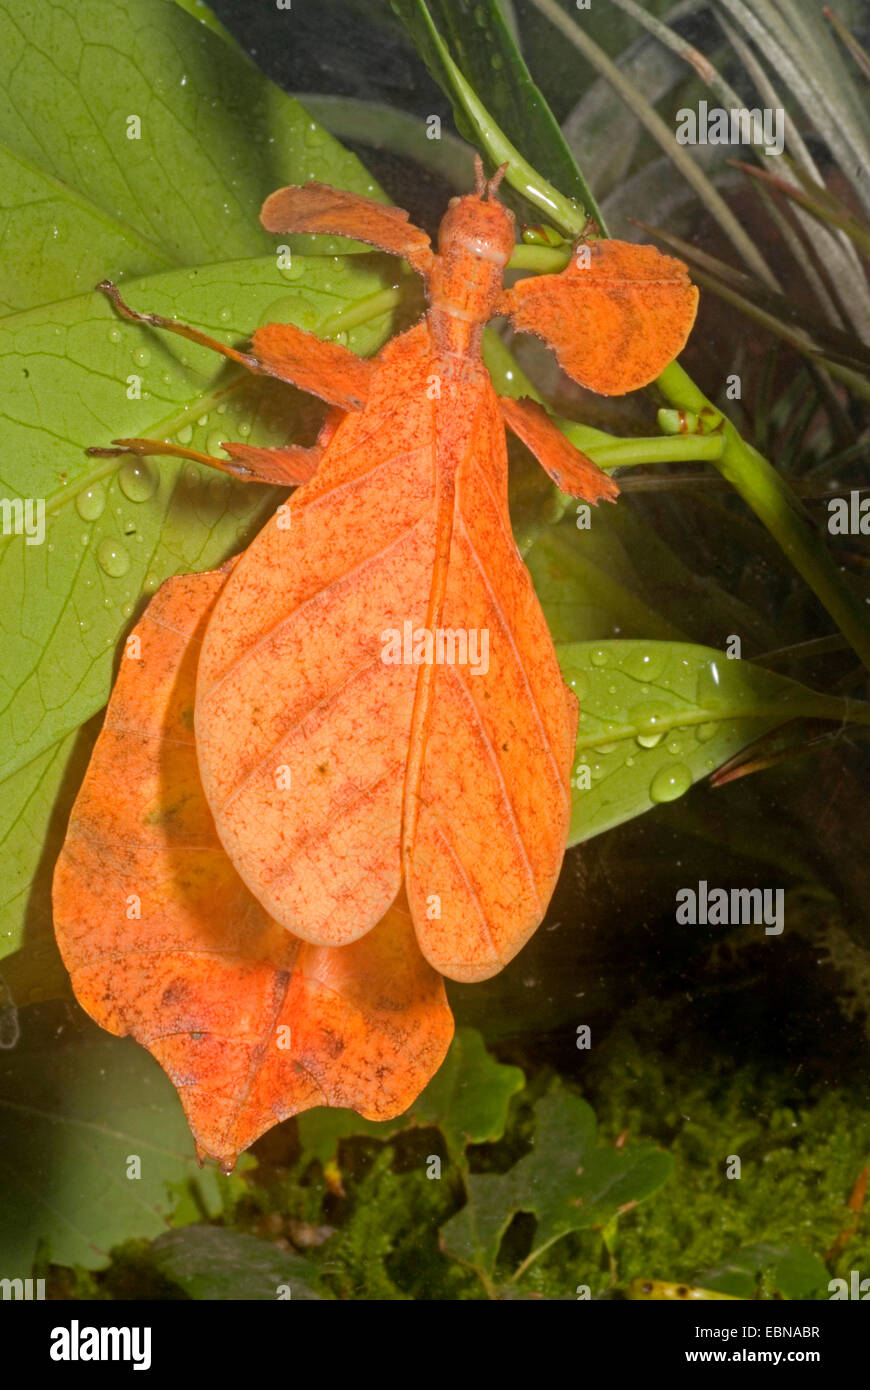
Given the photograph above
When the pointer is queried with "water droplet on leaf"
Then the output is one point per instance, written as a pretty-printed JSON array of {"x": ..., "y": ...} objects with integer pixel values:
[
  {"x": 137, "y": 479},
  {"x": 670, "y": 782},
  {"x": 113, "y": 558},
  {"x": 91, "y": 502}
]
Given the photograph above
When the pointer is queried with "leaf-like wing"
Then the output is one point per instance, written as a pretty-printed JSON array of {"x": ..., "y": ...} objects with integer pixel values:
[
  {"x": 487, "y": 820},
  {"x": 163, "y": 940},
  {"x": 615, "y": 316}
]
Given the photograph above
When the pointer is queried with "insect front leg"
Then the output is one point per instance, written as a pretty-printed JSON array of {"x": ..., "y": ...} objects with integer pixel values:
[{"x": 571, "y": 470}]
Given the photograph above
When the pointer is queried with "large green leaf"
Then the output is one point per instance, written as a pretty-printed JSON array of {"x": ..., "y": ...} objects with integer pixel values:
[
  {"x": 33, "y": 811},
  {"x": 64, "y": 370},
  {"x": 657, "y": 716},
  {"x": 77, "y": 1107},
  {"x": 82, "y": 201},
  {"x": 568, "y": 1181}
]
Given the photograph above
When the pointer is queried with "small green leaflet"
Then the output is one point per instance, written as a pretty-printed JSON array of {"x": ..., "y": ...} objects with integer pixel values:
[
  {"x": 567, "y": 1180},
  {"x": 657, "y": 716}
]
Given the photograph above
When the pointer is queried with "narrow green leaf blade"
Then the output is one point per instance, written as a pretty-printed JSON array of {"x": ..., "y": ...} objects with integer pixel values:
[{"x": 655, "y": 717}]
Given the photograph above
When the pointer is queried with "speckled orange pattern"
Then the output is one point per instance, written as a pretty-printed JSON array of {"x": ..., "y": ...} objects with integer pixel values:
[
  {"x": 163, "y": 940},
  {"x": 340, "y": 768}
]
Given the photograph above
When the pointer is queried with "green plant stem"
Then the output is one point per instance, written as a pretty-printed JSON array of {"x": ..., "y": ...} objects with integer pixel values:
[
  {"x": 543, "y": 260},
  {"x": 381, "y": 302},
  {"x": 776, "y": 505},
  {"x": 565, "y": 212},
  {"x": 682, "y": 448},
  {"x": 763, "y": 489}
]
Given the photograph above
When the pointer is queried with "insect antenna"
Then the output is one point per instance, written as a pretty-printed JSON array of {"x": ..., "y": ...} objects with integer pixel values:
[
  {"x": 492, "y": 186},
  {"x": 479, "y": 177}
]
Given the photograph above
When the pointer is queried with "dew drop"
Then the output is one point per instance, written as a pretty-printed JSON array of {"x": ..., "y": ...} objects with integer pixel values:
[
  {"x": 185, "y": 434},
  {"x": 709, "y": 693},
  {"x": 114, "y": 335},
  {"x": 670, "y": 782},
  {"x": 141, "y": 356},
  {"x": 126, "y": 610},
  {"x": 224, "y": 315},
  {"x": 113, "y": 558},
  {"x": 222, "y": 408},
  {"x": 648, "y": 717},
  {"x": 214, "y": 441},
  {"x": 646, "y": 663},
  {"x": 598, "y": 656},
  {"x": 649, "y": 740},
  {"x": 705, "y": 732},
  {"x": 203, "y": 420},
  {"x": 191, "y": 476},
  {"x": 244, "y": 429},
  {"x": 91, "y": 502},
  {"x": 137, "y": 479}
]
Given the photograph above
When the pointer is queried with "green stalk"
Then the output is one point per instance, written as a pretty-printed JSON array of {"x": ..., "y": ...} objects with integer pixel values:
[
  {"x": 748, "y": 471},
  {"x": 780, "y": 510}
]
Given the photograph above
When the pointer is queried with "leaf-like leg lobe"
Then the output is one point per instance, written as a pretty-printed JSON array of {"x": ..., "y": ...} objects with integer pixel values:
[{"x": 571, "y": 470}]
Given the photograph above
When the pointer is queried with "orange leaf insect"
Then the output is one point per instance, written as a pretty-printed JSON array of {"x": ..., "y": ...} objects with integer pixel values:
[{"x": 340, "y": 766}]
